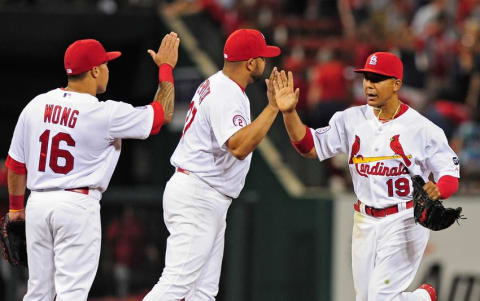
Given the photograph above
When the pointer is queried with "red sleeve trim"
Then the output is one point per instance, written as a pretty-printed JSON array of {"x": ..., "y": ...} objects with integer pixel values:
[
  {"x": 15, "y": 166},
  {"x": 447, "y": 185},
  {"x": 305, "y": 145},
  {"x": 158, "y": 117},
  {"x": 16, "y": 202},
  {"x": 165, "y": 73}
]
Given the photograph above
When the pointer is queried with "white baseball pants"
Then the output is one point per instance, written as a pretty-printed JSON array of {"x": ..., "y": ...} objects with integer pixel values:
[
  {"x": 63, "y": 233},
  {"x": 386, "y": 253},
  {"x": 195, "y": 215}
]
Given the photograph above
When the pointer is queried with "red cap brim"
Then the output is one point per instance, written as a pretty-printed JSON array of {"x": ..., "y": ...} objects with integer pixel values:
[
  {"x": 368, "y": 70},
  {"x": 113, "y": 55},
  {"x": 271, "y": 51}
]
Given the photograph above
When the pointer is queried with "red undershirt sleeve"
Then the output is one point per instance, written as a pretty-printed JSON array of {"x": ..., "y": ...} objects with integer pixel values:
[
  {"x": 158, "y": 117},
  {"x": 15, "y": 166},
  {"x": 447, "y": 185},
  {"x": 305, "y": 145}
]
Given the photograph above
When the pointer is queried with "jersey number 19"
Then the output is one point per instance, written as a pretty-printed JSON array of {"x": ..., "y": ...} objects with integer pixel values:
[{"x": 402, "y": 187}]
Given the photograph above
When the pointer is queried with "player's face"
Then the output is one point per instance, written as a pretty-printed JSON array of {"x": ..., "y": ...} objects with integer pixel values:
[
  {"x": 258, "y": 68},
  {"x": 102, "y": 79},
  {"x": 378, "y": 89}
]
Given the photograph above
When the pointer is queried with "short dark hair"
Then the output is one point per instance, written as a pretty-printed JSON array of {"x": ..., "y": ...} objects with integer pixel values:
[{"x": 77, "y": 77}]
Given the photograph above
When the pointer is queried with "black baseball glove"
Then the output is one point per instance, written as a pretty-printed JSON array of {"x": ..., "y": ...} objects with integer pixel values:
[
  {"x": 13, "y": 241},
  {"x": 431, "y": 213}
]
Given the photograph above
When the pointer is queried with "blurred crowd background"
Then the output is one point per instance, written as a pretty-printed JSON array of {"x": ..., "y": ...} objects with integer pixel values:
[{"x": 322, "y": 42}]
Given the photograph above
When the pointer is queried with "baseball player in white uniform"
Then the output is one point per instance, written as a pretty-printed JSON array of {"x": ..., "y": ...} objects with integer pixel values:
[
  {"x": 64, "y": 149},
  {"x": 387, "y": 141},
  {"x": 212, "y": 160}
]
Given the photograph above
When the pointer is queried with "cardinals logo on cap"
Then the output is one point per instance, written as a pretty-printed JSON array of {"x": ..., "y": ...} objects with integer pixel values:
[{"x": 373, "y": 60}]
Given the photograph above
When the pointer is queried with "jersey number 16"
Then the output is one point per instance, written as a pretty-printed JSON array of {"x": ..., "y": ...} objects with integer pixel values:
[{"x": 56, "y": 152}]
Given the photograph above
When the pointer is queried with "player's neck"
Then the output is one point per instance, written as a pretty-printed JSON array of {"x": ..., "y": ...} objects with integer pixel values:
[
  {"x": 81, "y": 87},
  {"x": 238, "y": 77},
  {"x": 389, "y": 110}
]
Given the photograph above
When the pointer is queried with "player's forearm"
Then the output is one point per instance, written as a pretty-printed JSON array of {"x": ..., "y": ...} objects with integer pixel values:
[
  {"x": 293, "y": 124},
  {"x": 299, "y": 134},
  {"x": 17, "y": 184},
  {"x": 165, "y": 96},
  {"x": 166, "y": 91},
  {"x": 243, "y": 142},
  {"x": 447, "y": 186}
]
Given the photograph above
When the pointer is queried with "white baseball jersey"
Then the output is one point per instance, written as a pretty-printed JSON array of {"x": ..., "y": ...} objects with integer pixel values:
[
  {"x": 218, "y": 110},
  {"x": 382, "y": 155},
  {"x": 70, "y": 140}
]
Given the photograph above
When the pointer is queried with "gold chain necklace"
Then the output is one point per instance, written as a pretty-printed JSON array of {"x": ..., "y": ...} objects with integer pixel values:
[{"x": 394, "y": 114}]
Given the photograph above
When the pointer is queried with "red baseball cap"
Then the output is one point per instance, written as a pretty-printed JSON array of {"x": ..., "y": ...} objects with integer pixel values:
[
  {"x": 83, "y": 55},
  {"x": 383, "y": 63},
  {"x": 244, "y": 44}
]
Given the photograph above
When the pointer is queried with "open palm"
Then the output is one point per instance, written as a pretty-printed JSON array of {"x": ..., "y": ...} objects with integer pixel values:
[
  {"x": 168, "y": 51},
  {"x": 285, "y": 95}
]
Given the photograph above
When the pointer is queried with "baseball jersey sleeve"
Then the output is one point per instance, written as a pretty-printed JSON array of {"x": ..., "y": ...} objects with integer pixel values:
[
  {"x": 226, "y": 117},
  {"x": 158, "y": 117},
  {"x": 17, "y": 151},
  {"x": 127, "y": 121},
  {"x": 441, "y": 160},
  {"x": 331, "y": 140}
]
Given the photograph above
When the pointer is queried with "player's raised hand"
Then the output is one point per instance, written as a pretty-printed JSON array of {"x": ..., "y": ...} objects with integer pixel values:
[
  {"x": 168, "y": 51},
  {"x": 285, "y": 95},
  {"x": 270, "y": 88}
]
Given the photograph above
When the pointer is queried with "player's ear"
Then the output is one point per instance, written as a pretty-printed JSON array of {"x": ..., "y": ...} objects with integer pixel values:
[
  {"x": 251, "y": 64},
  {"x": 95, "y": 71},
  {"x": 397, "y": 84}
]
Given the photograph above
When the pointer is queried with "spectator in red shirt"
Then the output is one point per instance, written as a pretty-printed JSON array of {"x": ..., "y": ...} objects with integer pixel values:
[{"x": 328, "y": 88}]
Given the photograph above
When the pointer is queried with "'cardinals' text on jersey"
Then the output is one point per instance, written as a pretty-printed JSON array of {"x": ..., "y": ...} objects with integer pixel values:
[{"x": 382, "y": 156}]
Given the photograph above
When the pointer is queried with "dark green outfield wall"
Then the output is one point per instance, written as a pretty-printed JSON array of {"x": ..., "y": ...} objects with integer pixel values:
[{"x": 277, "y": 247}]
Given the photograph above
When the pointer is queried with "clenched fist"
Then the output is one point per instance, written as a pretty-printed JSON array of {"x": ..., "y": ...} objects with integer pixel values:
[{"x": 432, "y": 190}]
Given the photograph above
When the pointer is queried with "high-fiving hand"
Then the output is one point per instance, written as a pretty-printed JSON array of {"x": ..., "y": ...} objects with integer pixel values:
[
  {"x": 271, "y": 89},
  {"x": 168, "y": 51},
  {"x": 285, "y": 95}
]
